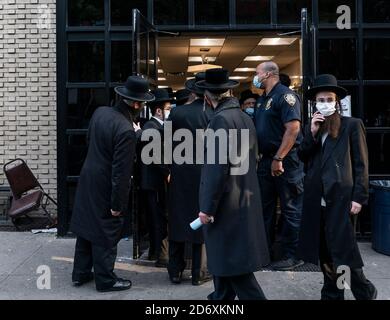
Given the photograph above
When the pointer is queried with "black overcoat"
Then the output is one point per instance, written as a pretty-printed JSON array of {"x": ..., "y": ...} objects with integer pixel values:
[
  {"x": 185, "y": 178},
  {"x": 236, "y": 242},
  {"x": 104, "y": 182},
  {"x": 339, "y": 172}
]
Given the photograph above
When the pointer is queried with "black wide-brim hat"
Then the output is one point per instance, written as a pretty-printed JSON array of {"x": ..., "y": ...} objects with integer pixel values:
[
  {"x": 217, "y": 80},
  {"x": 190, "y": 84},
  {"x": 182, "y": 95},
  {"x": 136, "y": 88},
  {"x": 161, "y": 96},
  {"x": 326, "y": 82}
]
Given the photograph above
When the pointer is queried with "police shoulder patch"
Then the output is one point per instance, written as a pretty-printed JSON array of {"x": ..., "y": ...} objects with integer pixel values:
[{"x": 290, "y": 99}]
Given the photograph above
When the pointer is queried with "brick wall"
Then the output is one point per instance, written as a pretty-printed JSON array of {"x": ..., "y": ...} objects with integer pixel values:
[{"x": 28, "y": 87}]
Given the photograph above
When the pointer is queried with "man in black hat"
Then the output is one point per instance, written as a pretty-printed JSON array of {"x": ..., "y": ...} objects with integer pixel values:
[
  {"x": 280, "y": 172},
  {"x": 182, "y": 96},
  {"x": 184, "y": 190},
  {"x": 248, "y": 102},
  {"x": 229, "y": 200},
  {"x": 102, "y": 193},
  {"x": 153, "y": 182},
  {"x": 336, "y": 187}
]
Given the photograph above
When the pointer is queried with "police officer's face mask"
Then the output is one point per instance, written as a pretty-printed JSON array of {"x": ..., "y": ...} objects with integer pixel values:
[
  {"x": 259, "y": 83},
  {"x": 326, "y": 108}
]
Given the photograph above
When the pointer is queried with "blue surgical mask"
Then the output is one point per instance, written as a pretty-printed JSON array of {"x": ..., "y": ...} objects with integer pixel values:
[
  {"x": 258, "y": 83},
  {"x": 250, "y": 111}
]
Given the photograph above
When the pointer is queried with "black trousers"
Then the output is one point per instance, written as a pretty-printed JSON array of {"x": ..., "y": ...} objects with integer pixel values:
[
  {"x": 245, "y": 287},
  {"x": 362, "y": 289},
  {"x": 157, "y": 222},
  {"x": 176, "y": 258},
  {"x": 88, "y": 255}
]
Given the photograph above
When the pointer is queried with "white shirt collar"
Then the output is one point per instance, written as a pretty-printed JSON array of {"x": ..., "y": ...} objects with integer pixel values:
[{"x": 159, "y": 120}]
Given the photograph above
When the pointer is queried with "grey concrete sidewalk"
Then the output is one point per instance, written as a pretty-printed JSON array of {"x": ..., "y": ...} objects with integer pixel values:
[{"x": 22, "y": 253}]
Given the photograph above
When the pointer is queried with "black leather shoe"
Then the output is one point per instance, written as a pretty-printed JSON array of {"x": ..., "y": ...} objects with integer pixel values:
[
  {"x": 79, "y": 283},
  {"x": 176, "y": 278},
  {"x": 198, "y": 280},
  {"x": 119, "y": 285}
]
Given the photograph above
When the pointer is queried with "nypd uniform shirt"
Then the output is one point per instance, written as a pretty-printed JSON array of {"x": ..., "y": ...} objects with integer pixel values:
[{"x": 273, "y": 111}]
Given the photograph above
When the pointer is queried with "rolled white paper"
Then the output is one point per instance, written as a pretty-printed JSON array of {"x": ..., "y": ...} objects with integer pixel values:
[{"x": 196, "y": 224}]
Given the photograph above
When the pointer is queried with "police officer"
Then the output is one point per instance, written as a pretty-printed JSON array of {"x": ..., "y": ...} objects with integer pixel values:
[{"x": 280, "y": 172}]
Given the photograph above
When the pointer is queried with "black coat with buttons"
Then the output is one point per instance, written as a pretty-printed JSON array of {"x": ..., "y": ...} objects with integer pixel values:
[{"x": 338, "y": 172}]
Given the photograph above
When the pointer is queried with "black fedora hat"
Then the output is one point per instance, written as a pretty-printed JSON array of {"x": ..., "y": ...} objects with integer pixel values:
[
  {"x": 217, "y": 80},
  {"x": 182, "y": 96},
  {"x": 136, "y": 88},
  {"x": 161, "y": 95},
  {"x": 190, "y": 84},
  {"x": 326, "y": 82}
]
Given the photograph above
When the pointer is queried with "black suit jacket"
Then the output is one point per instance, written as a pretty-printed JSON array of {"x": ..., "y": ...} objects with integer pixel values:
[
  {"x": 338, "y": 172},
  {"x": 153, "y": 175}
]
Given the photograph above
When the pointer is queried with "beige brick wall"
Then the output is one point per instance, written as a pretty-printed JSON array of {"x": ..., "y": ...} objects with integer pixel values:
[{"x": 28, "y": 87}]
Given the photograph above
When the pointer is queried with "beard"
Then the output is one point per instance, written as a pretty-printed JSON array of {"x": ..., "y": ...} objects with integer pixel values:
[{"x": 332, "y": 125}]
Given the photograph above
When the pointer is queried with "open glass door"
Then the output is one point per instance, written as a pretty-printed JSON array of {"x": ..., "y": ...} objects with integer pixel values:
[
  {"x": 309, "y": 42},
  {"x": 144, "y": 54}
]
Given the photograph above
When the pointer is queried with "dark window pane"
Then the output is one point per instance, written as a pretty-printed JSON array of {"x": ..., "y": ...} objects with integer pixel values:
[
  {"x": 338, "y": 57},
  {"x": 86, "y": 61},
  {"x": 378, "y": 152},
  {"x": 376, "y": 59},
  {"x": 152, "y": 53},
  {"x": 81, "y": 105},
  {"x": 376, "y": 11},
  {"x": 85, "y": 12},
  {"x": 327, "y": 10},
  {"x": 212, "y": 12},
  {"x": 290, "y": 11},
  {"x": 171, "y": 12},
  {"x": 76, "y": 153},
  {"x": 121, "y": 60},
  {"x": 377, "y": 106},
  {"x": 121, "y": 11},
  {"x": 144, "y": 38},
  {"x": 253, "y": 11}
]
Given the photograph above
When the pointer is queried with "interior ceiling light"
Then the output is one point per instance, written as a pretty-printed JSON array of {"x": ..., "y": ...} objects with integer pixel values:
[
  {"x": 207, "y": 42},
  {"x": 162, "y": 79},
  {"x": 202, "y": 67},
  {"x": 245, "y": 70},
  {"x": 201, "y": 59},
  {"x": 238, "y": 78},
  {"x": 163, "y": 87},
  {"x": 276, "y": 41},
  {"x": 258, "y": 58},
  {"x": 160, "y": 71}
]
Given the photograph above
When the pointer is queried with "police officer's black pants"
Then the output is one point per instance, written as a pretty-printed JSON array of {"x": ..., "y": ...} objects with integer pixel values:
[
  {"x": 289, "y": 188},
  {"x": 157, "y": 222},
  {"x": 176, "y": 258},
  {"x": 88, "y": 255},
  {"x": 362, "y": 289},
  {"x": 245, "y": 287}
]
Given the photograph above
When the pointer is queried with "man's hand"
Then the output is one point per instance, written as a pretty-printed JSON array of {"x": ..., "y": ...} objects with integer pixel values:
[
  {"x": 115, "y": 213},
  {"x": 277, "y": 168},
  {"x": 355, "y": 208},
  {"x": 136, "y": 126},
  {"x": 169, "y": 179},
  {"x": 318, "y": 118},
  {"x": 205, "y": 219}
]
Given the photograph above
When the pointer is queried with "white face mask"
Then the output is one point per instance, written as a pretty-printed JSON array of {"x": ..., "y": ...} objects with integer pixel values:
[
  {"x": 166, "y": 114},
  {"x": 326, "y": 108}
]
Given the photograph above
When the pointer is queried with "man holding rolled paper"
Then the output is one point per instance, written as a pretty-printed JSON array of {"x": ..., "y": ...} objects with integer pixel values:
[{"x": 229, "y": 199}]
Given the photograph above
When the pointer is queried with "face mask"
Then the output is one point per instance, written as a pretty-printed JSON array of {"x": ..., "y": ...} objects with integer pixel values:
[
  {"x": 250, "y": 111},
  {"x": 259, "y": 84},
  {"x": 326, "y": 108},
  {"x": 167, "y": 113}
]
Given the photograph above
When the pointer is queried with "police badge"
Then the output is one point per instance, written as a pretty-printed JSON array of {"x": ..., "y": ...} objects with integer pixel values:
[
  {"x": 290, "y": 99},
  {"x": 268, "y": 105}
]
